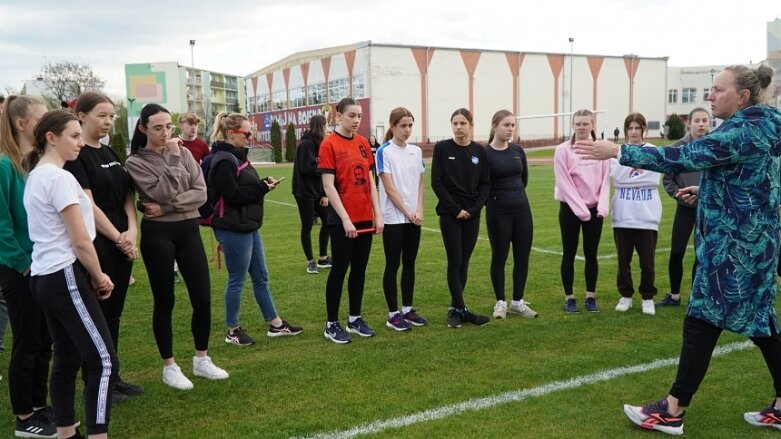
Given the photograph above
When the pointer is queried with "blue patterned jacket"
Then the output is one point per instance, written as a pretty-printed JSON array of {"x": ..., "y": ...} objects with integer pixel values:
[{"x": 737, "y": 231}]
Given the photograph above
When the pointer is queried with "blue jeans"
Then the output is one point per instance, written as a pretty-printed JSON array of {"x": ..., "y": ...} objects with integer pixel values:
[{"x": 244, "y": 254}]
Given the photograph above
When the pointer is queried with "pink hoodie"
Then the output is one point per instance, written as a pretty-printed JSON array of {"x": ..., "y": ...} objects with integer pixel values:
[{"x": 581, "y": 183}]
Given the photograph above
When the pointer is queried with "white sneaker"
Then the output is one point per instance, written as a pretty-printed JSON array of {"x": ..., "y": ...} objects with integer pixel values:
[
  {"x": 624, "y": 304},
  {"x": 203, "y": 367},
  {"x": 500, "y": 309},
  {"x": 173, "y": 376},
  {"x": 523, "y": 310},
  {"x": 649, "y": 308}
]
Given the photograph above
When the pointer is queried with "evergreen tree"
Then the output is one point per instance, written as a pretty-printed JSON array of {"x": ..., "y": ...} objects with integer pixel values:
[
  {"x": 290, "y": 143},
  {"x": 276, "y": 141},
  {"x": 675, "y": 127}
]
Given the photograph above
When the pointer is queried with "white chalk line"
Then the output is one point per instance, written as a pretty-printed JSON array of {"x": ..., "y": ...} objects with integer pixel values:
[
  {"x": 513, "y": 396},
  {"x": 534, "y": 249}
]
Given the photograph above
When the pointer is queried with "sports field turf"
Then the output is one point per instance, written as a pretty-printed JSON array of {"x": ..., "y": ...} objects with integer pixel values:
[{"x": 305, "y": 385}]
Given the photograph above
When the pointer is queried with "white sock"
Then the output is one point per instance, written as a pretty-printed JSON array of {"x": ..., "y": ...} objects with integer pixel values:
[
  {"x": 329, "y": 324},
  {"x": 170, "y": 366},
  {"x": 391, "y": 314},
  {"x": 352, "y": 319},
  {"x": 517, "y": 302},
  {"x": 406, "y": 309}
]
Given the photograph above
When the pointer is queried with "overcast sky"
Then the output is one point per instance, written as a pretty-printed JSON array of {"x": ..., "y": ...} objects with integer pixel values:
[{"x": 241, "y": 36}]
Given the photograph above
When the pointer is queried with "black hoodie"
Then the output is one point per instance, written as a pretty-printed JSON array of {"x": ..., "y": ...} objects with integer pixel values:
[
  {"x": 307, "y": 183},
  {"x": 242, "y": 194}
]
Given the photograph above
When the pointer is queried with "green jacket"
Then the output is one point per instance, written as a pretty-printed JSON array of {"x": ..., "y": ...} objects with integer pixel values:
[{"x": 15, "y": 245}]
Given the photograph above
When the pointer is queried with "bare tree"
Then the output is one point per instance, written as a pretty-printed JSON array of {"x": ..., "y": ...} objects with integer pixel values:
[{"x": 66, "y": 80}]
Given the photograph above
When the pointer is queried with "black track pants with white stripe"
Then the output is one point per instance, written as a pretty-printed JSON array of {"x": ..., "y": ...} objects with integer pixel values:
[{"x": 78, "y": 330}]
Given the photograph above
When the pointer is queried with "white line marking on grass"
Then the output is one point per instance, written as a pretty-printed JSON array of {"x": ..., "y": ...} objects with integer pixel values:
[
  {"x": 514, "y": 396},
  {"x": 558, "y": 253},
  {"x": 536, "y": 249},
  {"x": 282, "y": 203}
]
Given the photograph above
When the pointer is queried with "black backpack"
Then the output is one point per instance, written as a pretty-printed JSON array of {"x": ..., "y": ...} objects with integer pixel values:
[{"x": 214, "y": 202}]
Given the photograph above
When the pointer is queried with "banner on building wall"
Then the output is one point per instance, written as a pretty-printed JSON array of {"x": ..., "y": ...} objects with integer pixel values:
[{"x": 261, "y": 122}]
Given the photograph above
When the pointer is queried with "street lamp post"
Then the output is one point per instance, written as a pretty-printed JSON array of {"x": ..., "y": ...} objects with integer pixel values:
[
  {"x": 192, "y": 71},
  {"x": 571, "y": 76}
]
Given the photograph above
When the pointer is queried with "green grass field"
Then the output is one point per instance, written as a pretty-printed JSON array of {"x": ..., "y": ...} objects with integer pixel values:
[{"x": 302, "y": 386}]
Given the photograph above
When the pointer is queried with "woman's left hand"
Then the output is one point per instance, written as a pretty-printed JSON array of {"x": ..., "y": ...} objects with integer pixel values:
[
  {"x": 152, "y": 209},
  {"x": 596, "y": 150},
  {"x": 271, "y": 183}
]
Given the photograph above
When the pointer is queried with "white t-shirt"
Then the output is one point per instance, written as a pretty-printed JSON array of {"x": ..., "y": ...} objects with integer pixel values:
[
  {"x": 48, "y": 191},
  {"x": 406, "y": 167}
]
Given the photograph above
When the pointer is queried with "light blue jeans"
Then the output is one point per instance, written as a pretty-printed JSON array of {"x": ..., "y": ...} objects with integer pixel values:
[{"x": 244, "y": 254}]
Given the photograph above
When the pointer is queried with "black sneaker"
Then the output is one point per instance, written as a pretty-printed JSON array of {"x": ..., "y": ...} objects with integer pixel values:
[
  {"x": 37, "y": 425},
  {"x": 117, "y": 397},
  {"x": 669, "y": 301},
  {"x": 474, "y": 319},
  {"x": 591, "y": 304},
  {"x": 127, "y": 388},
  {"x": 324, "y": 263},
  {"x": 453, "y": 318},
  {"x": 284, "y": 330},
  {"x": 239, "y": 337}
]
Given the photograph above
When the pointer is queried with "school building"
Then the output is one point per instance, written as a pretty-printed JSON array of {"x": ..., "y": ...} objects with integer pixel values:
[{"x": 434, "y": 81}]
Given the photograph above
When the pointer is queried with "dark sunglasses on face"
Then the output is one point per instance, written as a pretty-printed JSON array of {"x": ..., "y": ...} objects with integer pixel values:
[{"x": 247, "y": 134}]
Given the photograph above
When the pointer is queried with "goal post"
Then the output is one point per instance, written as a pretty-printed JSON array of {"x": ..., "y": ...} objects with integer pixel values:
[{"x": 534, "y": 127}]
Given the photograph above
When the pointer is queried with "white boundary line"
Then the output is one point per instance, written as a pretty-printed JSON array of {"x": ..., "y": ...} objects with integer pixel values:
[
  {"x": 513, "y": 396},
  {"x": 535, "y": 249}
]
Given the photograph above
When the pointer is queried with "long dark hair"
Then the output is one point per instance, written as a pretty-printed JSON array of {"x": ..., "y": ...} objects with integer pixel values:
[
  {"x": 139, "y": 138},
  {"x": 317, "y": 127},
  {"x": 53, "y": 121}
]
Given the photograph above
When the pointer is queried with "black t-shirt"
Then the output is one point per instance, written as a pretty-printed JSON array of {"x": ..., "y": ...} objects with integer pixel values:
[
  {"x": 459, "y": 177},
  {"x": 99, "y": 170},
  {"x": 509, "y": 177}
]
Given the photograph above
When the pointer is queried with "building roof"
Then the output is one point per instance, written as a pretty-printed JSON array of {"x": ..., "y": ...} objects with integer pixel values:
[{"x": 305, "y": 56}]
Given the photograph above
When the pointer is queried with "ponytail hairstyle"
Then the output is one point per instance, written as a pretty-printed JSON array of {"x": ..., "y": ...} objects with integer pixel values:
[
  {"x": 635, "y": 117},
  {"x": 396, "y": 115},
  {"x": 16, "y": 107},
  {"x": 756, "y": 81},
  {"x": 583, "y": 112},
  {"x": 89, "y": 100},
  {"x": 463, "y": 112},
  {"x": 54, "y": 122},
  {"x": 139, "y": 138},
  {"x": 224, "y": 122},
  {"x": 498, "y": 116},
  {"x": 317, "y": 128},
  {"x": 344, "y": 103}
]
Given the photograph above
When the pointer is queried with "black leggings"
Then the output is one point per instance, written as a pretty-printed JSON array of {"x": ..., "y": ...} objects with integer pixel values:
[
  {"x": 307, "y": 209},
  {"x": 503, "y": 230},
  {"x": 161, "y": 244},
  {"x": 80, "y": 334},
  {"x": 28, "y": 369},
  {"x": 460, "y": 237},
  {"x": 683, "y": 224},
  {"x": 115, "y": 264},
  {"x": 570, "y": 226},
  {"x": 352, "y": 253},
  {"x": 699, "y": 340},
  {"x": 401, "y": 242}
]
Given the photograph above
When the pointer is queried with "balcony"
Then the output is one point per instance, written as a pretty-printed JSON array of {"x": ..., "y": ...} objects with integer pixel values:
[{"x": 218, "y": 84}]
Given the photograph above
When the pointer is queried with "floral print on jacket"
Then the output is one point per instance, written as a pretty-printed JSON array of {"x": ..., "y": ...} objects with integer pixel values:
[{"x": 737, "y": 231}]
